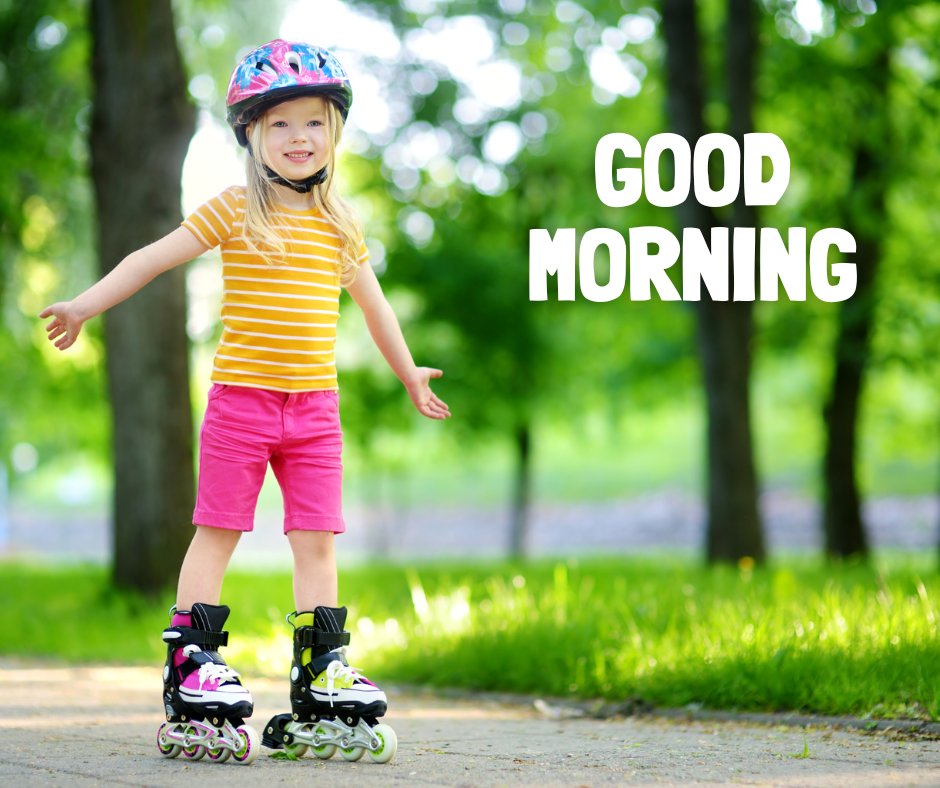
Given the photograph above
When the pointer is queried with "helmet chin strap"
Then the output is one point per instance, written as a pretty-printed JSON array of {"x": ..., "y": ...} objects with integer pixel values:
[{"x": 303, "y": 186}]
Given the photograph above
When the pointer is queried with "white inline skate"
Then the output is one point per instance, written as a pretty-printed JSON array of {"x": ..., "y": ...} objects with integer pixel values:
[
  {"x": 333, "y": 706},
  {"x": 204, "y": 700}
]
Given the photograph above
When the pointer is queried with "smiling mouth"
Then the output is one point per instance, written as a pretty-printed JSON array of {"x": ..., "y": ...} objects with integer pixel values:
[{"x": 299, "y": 157}]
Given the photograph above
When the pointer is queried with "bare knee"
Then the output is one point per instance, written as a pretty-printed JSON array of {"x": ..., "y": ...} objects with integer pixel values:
[
  {"x": 311, "y": 545},
  {"x": 219, "y": 540}
]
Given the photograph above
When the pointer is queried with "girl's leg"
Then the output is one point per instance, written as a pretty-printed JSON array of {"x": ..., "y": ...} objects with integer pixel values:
[
  {"x": 315, "y": 581},
  {"x": 321, "y": 680},
  {"x": 204, "y": 566},
  {"x": 197, "y": 683}
]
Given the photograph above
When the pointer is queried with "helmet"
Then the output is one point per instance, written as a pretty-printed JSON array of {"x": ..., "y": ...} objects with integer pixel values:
[{"x": 279, "y": 71}]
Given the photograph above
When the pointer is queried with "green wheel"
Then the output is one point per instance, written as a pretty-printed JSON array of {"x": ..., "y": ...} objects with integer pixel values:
[
  {"x": 323, "y": 751},
  {"x": 388, "y": 743},
  {"x": 351, "y": 753},
  {"x": 297, "y": 749}
]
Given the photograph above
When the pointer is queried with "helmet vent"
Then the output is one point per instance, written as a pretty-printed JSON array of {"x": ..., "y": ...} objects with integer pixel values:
[
  {"x": 293, "y": 60},
  {"x": 264, "y": 65}
]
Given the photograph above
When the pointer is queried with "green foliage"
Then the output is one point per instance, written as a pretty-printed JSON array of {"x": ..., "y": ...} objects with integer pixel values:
[
  {"x": 45, "y": 241},
  {"x": 213, "y": 34},
  {"x": 509, "y": 362},
  {"x": 798, "y": 635}
]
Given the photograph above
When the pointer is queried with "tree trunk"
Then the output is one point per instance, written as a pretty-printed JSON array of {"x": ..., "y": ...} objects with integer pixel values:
[
  {"x": 733, "y": 529},
  {"x": 141, "y": 127},
  {"x": 843, "y": 525},
  {"x": 522, "y": 493}
]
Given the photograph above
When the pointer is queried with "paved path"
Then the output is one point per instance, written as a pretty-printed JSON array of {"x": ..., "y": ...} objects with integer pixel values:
[{"x": 96, "y": 726}]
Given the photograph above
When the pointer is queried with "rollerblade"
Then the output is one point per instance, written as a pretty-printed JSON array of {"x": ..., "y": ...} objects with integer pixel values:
[
  {"x": 332, "y": 705},
  {"x": 204, "y": 700}
]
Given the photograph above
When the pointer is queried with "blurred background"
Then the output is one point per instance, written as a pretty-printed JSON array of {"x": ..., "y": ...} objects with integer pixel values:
[{"x": 731, "y": 432}]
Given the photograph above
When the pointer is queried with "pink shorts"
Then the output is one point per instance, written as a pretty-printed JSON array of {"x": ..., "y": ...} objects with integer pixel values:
[{"x": 299, "y": 434}]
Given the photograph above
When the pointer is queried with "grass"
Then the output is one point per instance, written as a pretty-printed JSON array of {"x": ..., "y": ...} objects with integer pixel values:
[{"x": 798, "y": 635}]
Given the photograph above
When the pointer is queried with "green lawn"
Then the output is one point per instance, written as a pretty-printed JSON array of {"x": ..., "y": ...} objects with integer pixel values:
[{"x": 798, "y": 635}]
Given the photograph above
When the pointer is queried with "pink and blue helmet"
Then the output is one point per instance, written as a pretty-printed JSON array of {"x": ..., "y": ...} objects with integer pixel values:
[{"x": 279, "y": 71}]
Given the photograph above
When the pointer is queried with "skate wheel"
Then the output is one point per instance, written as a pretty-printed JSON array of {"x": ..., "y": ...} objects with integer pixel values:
[
  {"x": 388, "y": 743},
  {"x": 219, "y": 754},
  {"x": 194, "y": 752},
  {"x": 351, "y": 753},
  {"x": 248, "y": 744},
  {"x": 322, "y": 751},
  {"x": 297, "y": 749},
  {"x": 168, "y": 749}
]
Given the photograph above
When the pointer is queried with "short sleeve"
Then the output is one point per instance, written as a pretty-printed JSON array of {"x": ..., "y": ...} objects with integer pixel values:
[
  {"x": 362, "y": 252},
  {"x": 213, "y": 221}
]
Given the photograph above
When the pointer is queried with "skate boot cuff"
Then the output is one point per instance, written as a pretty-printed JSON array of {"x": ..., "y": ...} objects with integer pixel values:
[
  {"x": 206, "y": 630},
  {"x": 210, "y": 618},
  {"x": 329, "y": 619}
]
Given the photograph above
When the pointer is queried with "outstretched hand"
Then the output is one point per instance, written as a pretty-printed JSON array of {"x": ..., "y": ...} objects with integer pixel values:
[
  {"x": 425, "y": 400},
  {"x": 65, "y": 326}
]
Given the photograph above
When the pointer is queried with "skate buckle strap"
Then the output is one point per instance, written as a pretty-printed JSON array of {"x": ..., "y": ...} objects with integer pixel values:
[
  {"x": 189, "y": 636},
  {"x": 201, "y": 657},
  {"x": 309, "y": 637}
]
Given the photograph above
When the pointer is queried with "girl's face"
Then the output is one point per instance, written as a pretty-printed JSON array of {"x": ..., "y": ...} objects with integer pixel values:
[{"x": 296, "y": 139}]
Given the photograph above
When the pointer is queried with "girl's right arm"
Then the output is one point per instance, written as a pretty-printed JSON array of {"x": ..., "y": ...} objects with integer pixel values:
[{"x": 125, "y": 279}]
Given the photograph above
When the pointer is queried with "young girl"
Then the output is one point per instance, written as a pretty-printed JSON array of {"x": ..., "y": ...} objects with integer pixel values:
[{"x": 289, "y": 243}]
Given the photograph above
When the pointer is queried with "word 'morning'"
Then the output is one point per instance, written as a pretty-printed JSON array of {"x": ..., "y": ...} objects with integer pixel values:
[{"x": 653, "y": 250}]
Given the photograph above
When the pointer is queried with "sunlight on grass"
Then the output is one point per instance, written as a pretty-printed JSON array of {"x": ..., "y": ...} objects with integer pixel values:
[{"x": 747, "y": 638}]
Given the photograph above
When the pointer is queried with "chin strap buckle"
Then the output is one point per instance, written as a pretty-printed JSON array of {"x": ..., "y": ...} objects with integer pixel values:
[{"x": 303, "y": 186}]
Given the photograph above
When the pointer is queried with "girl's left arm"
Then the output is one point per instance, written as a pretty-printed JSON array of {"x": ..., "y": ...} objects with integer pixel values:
[{"x": 386, "y": 333}]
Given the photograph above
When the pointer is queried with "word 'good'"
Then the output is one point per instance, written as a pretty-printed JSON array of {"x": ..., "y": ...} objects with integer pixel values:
[{"x": 692, "y": 168}]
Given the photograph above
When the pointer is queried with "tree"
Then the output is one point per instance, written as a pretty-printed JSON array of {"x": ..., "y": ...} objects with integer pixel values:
[
  {"x": 141, "y": 126},
  {"x": 733, "y": 521},
  {"x": 846, "y": 114},
  {"x": 866, "y": 220}
]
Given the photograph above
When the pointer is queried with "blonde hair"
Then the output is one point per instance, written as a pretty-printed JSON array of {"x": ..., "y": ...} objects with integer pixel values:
[{"x": 262, "y": 238}]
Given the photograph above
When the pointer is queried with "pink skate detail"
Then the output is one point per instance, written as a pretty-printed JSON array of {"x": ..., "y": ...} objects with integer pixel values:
[
  {"x": 208, "y": 678},
  {"x": 202, "y": 679},
  {"x": 183, "y": 619},
  {"x": 192, "y": 682}
]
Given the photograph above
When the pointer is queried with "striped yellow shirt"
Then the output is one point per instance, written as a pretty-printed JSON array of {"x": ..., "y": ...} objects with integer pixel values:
[{"x": 278, "y": 319}]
